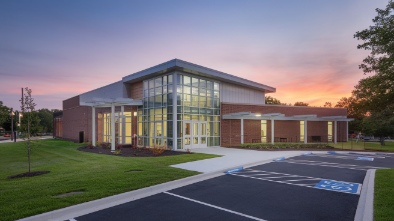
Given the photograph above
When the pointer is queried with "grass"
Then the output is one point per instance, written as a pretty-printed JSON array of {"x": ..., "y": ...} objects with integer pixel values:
[
  {"x": 375, "y": 146},
  {"x": 384, "y": 195},
  {"x": 71, "y": 170}
]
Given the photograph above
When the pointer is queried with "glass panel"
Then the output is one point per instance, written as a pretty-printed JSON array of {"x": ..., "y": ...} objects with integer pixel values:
[
  {"x": 151, "y": 92},
  {"x": 186, "y": 99},
  {"x": 146, "y": 93},
  {"x": 169, "y": 87},
  {"x": 195, "y": 82},
  {"x": 179, "y": 79},
  {"x": 186, "y": 89},
  {"x": 194, "y": 116},
  {"x": 216, "y": 86},
  {"x": 158, "y": 91},
  {"x": 203, "y": 129},
  {"x": 186, "y": 117},
  {"x": 169, "y": 129},
  {"x": 195, "y": 129},
  {"x": 159, "y": 129},
  {"x": 187, "y": 140},
  {"x": 151, "y": 83},
  {"x": 164, "y": 89},
  {"x": 158, "y": 82},
  {"x": 179, "y": 144},
  {"x": 146, "y": 85},
  {"x": 209, "y": 85},
  {"x": 186, "y": 80},
  {"x": 187, "y": 128},
  {"x": 203, "y": 84},
  {"x": 216, "y": 129},
  {"x": 216, "y": 94},
  {"x": 203, "y": 140},
  {"x": 164, "y": 80},
  {"x": 195, "y": 140},
  {"x": 194, "y": 91},
  {"x": 194, "y": 101},
  {"x": 302, "y": 130},
  {"x": 170, "y": 79}
]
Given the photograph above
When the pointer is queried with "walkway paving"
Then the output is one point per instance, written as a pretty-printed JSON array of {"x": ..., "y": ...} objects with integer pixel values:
[{"x": 232, "y": 158}]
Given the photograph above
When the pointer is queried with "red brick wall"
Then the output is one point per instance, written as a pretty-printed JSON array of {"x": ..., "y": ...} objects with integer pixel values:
[
  {"x": 231, "y": 129},
  {"x": 137, "y": 92},
  {"x": 76, "y": 119}
]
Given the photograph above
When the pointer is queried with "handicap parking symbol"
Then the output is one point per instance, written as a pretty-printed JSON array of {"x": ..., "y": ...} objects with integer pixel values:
[{"x": 339, "y": 186}]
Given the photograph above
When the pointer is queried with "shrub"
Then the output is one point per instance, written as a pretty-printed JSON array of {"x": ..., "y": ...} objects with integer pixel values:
[
  {"x": 90, "y": 146},
  {"x": 158, "y": 150},
  {"x": 105, "y": 145}
]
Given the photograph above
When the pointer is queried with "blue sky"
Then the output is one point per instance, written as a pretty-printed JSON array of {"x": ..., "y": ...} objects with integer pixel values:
[{"x": 63, "y": 48}]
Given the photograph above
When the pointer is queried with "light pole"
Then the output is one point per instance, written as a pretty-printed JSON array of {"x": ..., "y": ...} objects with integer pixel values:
[{"x": 12, "y": 124}]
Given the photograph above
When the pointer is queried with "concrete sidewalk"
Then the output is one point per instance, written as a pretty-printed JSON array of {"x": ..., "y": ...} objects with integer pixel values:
[{"x": 231, "y": 158}]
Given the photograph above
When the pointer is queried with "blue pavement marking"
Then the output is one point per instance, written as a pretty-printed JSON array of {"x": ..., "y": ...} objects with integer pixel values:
[
  {"x": 308, "y": 154},
  {"x": 279, "y": 159},
  {"x": 331, "y": 152},
  {"x": 339, "y": 186},
  {"x": 234, "y": 170},
  {"x": 365, "y": 158}
]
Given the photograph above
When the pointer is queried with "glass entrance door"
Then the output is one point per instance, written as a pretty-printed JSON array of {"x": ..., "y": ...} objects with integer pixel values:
[{"x": 195, "y": 134}]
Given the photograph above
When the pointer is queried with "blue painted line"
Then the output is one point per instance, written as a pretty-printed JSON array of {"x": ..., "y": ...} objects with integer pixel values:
[
  {"x": 365, "y": 158},
  {"x": 308, "y": 154},
  {"x": 234, "y": 170},
  {"x": 280, "y": 159},
  {"x": 332, "y": 152},
  {"x": 339, "y": 186}
]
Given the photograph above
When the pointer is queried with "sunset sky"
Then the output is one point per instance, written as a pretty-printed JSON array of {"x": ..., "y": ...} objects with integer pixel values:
[{"x": 303, "y": 48}]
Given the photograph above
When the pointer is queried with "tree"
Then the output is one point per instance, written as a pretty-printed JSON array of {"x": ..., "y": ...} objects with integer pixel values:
[
  {"x": 27, "y": 107},
  {"x": 375, "y": 94},
  {"x": 328, "y": 104},
  {"x": 4, "y": 114},
  {"x": 353, "y": 111},
  {"x": 46, "y": 120},
  {"x": 271, "y": 100},
  {"x": 300, "y": 103}
]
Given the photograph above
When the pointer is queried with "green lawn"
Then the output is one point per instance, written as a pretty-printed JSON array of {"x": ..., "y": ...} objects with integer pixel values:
[
  {"x": 352, "y": 145},
  {"x": 72, "y": 170},
  {"x": 384, "y": 195}
]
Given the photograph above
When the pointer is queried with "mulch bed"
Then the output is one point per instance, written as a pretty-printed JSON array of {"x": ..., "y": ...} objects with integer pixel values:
[
  {"x": 130, "y": 152},
  {"x": 27, "y": 174}
]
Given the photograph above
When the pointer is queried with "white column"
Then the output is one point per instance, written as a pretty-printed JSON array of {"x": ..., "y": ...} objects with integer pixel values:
[
  {"x": 242, "y": 130},
  {"x": 112, "y": 127},
  {"x": 347, "y": 131},
  {"x": 305, "y": 131},
  {"x": 123, "y": 120},
  {"x": 174, "y": 114},
  {"x": 272, "y": 131},
  {"x": 335, "y": 132},
  {"x": 93, "y": 126}
]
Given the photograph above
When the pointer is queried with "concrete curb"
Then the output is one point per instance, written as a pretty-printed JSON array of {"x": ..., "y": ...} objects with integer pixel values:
[
  {"x": 364, "y": 210},
  {"x": 104, "y": 203}
]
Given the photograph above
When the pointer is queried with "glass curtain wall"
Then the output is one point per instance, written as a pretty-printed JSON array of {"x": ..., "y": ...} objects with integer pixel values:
[
  {"x": 198, "y": 100},
  {"x": 118, "y": 128},
  {"x": 155, "y": 117}
]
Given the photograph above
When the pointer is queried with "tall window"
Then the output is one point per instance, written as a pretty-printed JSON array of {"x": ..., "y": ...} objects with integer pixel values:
[
  {"x": 302, "y": 130},
  {"x": 263, "y": 131},
  {"x": 122, "y": 128},
  {"x": 329, "y": 129}
]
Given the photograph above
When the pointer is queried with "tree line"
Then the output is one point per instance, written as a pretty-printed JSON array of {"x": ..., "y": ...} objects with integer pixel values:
[{"x": 41, "y": 120}]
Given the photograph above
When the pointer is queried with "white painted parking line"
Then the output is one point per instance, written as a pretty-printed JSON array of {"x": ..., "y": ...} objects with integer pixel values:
[
  {"x": 304, "y": 181},
  {"x": 216, "y": 207},
  {"x": 338, "y": 156},
  {"x": 329, "y": 164}
]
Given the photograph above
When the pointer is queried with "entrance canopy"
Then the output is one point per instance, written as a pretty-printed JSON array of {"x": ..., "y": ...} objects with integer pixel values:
[
  {"x": 279, "y": 116},
  {"x": 108, "y": 102}
]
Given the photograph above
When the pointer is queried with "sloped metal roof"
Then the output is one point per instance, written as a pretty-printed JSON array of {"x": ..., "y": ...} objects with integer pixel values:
[{"x": 179, "y": 65}]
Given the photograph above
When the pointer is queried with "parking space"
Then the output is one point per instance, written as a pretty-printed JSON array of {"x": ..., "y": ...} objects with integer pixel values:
[{"x": 306, "y": 187}]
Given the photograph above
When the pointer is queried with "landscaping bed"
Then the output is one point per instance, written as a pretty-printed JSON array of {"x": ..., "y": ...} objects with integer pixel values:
[{"x": 132, "y": 152}]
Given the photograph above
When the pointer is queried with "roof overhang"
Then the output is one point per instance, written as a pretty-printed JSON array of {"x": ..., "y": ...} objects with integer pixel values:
[
  {"x": 183, "y": 66},
  {"x": 108, "y": 102},
  {"x": 280, "y": 116}
]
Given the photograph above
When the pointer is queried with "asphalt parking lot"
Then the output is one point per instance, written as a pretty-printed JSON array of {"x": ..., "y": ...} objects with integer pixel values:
[{"x": 307, "y": 187}]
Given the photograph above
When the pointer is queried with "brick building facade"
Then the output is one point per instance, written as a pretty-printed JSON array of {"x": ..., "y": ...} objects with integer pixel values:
[{"x": 183, "y": 105}]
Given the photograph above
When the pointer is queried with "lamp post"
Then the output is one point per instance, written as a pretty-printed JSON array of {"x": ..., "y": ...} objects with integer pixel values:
[{"x": 12, "y": 125}]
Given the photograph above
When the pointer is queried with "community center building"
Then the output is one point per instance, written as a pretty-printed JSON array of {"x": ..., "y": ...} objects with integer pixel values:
[{"x": 183, "y": 105}]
